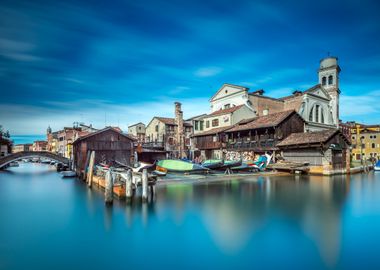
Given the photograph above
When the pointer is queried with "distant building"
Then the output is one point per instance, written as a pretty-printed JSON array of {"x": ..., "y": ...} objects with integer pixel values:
[
  {"x": 5, "y": 146},
  {"x": 365, "y": 141},
  {"x": 138, "y": 131},
  {"x": 22, "y": 147},
  {"x": 40, "y": 145},
  {"x": 197, "y": 123}
]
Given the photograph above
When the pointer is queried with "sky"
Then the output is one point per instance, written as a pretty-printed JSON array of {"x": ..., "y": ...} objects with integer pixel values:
[{"x": 121, "y": 62}]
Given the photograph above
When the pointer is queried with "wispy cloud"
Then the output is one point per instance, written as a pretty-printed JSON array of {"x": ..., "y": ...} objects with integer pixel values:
[
  {"x": 364, "y": 108},
  {"x": 208, "y": 71}
]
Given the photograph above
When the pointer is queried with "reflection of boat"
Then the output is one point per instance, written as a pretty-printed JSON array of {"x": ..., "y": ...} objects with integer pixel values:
[
  {"x": 68, "y": 174},
  {"x": 212, "y": 163},
  {"x": 175, "y": 165},
  {"x": 377, "y": 166}
]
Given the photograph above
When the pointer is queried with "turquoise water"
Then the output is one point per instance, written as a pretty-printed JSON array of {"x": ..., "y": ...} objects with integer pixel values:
[
  {"x": 260, "y": 223},
  {"x": 21, "y": 139}
]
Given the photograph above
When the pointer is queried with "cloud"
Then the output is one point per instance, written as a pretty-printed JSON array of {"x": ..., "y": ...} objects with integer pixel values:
[
  {"x": 35, "y": 119},
  {"x": 363, "y": 108},
  {"x": 208, "y": 71}
]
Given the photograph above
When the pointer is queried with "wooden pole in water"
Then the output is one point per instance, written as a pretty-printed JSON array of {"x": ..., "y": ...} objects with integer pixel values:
[
  {"x": 145, "y": 185},
  {"x": 128, "y": 186},
  {"x": 90, "y": 169},
  {"x": 109, "y": 188}
]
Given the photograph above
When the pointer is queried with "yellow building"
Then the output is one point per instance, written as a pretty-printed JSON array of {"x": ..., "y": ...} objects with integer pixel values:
[{"x": 365, "y": 141}]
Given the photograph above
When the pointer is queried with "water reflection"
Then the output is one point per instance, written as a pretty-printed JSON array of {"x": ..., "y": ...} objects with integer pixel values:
[{"x": 264, "y": 222}]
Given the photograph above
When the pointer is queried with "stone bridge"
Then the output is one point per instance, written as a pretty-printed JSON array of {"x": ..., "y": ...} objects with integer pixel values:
[{"x": 30, "y": 154}]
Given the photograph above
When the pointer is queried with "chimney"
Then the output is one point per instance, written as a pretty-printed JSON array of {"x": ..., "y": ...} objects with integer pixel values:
[
  {"x": 266, "y": 111},
  {"x": 179, "y": 133}
]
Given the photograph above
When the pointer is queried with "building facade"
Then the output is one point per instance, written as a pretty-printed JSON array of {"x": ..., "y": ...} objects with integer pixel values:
[
  {"x": 365, "y": 142},
  {"x": 318, "y": 105},
  {"x": 22, "y": 147},
  {"x": 5, "y": 146},
  {"x": 40, "y": 145},
  {"x": 137, "y": 131}
]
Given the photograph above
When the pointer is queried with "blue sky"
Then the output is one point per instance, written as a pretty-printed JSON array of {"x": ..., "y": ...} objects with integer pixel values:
[{"x": 121, "y": 62}]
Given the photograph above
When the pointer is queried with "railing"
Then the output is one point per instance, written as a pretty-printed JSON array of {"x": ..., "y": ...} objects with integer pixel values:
[
  {"x": 153, "y": 144},
  {"x": 248, "y": 145},
  {"x": 209, "y": 145}
]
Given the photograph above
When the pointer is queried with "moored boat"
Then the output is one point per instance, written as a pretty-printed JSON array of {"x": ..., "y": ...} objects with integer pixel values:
[
  {"x": 377, "y": 166},
  {"x": 231, "y": 163},
  {"x": 212, "y": 163},
  {"x": 175, "y": 165},
  {"x": 68, "y": 174}
]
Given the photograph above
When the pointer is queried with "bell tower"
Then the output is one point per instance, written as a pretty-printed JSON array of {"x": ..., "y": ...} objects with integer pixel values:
[{"x": 328, "y": 75}]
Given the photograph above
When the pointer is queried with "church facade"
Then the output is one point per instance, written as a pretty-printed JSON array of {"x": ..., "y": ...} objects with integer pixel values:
[{"x": 318, "y": 105}]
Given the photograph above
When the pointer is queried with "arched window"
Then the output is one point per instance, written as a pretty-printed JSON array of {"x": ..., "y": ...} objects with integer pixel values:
[
  {"x": 324, "y": 81},
  {"x": 317, "y": 113},
  {"x": 330, "y": 79},
  {"x": 322, "y": 117},
  {"x": 311, "y": 114}
]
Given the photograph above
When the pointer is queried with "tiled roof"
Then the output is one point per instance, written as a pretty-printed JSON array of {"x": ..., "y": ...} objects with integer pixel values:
[
  {"x": 308, "y": 137},
  {"x": 301, "y": 93},
  {"x": 212, "y": 131},
  {"x": 225, "y": 111},
  {"x": 270, "y": 120},
  {"x": 102, "y": 130},
  {"x": 171, "y": 121}
]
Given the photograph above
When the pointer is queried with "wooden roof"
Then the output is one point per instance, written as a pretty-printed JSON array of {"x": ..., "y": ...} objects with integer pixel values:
[
  {"x": 212, "y": 131},
  {"x": 270, "y": 120},
  {"x": 315, "y": 137},
  {"x": 101, "y": 131}
]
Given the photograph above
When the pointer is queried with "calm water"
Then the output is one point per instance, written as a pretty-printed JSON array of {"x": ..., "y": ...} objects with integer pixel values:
[{"x": 279, "y": 222}]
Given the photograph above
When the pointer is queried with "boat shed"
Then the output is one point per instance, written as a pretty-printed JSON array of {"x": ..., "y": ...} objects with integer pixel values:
[
  {"x": 109, "y": 144},
  {"x": 326, "y": 152}
]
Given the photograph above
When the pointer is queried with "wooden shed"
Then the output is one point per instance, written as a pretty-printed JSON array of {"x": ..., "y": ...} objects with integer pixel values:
[
  {"x": 109, "y": 144},
  {"x": 326, "y": 151}
]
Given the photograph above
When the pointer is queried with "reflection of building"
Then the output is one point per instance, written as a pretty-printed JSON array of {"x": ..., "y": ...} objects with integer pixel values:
[
  {"x": 138, "y": 131},
  {"x": 22, "y": 147},
  {"x": 365, "y": 141}
]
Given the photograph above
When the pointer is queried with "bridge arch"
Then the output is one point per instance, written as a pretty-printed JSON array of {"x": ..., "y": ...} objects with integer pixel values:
[{"x": 30, "y": 154}]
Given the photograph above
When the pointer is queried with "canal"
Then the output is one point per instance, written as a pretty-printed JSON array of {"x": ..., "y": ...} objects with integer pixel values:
[{"x": 306, "y": 222}]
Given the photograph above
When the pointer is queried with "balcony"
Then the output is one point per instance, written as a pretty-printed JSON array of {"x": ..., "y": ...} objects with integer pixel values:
[
  {"x": 153, "y": 145},
  {"x": 244, "y": 145},
  {"x": 209, "y": 145}
]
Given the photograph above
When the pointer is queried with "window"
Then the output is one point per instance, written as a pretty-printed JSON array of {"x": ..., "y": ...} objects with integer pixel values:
[
  {"x": 363, "y": 145},
  {"x": 353, "y": 137},
  {"x": 354, "y": 146},
  {"x": 215, "y": 122},
  {"x": 207, "y": 124},
  {"x": 330, "y": 79},
  {"x": 373, "y": 145},
  {"x": 227, "y": 106},
  {"x": 200, "y": 125},
  {"x": 156, "y": 128},
  {"x": 324, "y": 81},
  {"x": 322, "y": 117},
  {"x": 195, "y": 125},
  {"x": 139, "y": 128},
  {"x": 317, "y": 113},
  {"x": 311, "y": 114}
]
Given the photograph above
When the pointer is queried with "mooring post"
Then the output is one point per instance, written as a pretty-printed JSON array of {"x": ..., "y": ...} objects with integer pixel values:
[
  {"x": 145, "y": 185},
  {"x": 109, "y": 188},
  {"x": 91, "y": 169},
  {"x": 128, "y": 186}
]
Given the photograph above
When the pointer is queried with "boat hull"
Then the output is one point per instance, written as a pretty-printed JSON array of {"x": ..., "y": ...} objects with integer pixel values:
[{"x": 179, "y": 166}]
